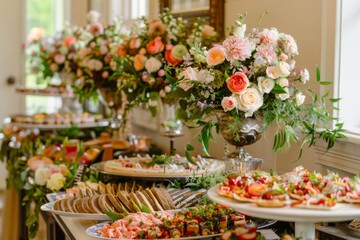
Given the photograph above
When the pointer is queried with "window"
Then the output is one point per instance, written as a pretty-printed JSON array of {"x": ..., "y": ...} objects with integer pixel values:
[
  {"x": 49, "y": 15},
  {"x": 340, "y": 54}
]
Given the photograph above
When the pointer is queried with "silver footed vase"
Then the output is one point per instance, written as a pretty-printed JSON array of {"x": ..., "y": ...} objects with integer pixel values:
[{"x": 240, "y": 131}]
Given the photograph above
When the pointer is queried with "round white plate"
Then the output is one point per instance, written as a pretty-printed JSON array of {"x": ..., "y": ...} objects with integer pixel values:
[
  {"x": 49, "y": 207},
  {"x": 143, "y": 173},
  {"x": 92, "y": 231},
  {"x": 342, "y": 212}
]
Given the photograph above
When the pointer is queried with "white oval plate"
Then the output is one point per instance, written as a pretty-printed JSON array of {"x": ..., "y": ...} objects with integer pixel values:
[
  {"x": 49, "y": 207},
  {"x": 92, "y": 231}
]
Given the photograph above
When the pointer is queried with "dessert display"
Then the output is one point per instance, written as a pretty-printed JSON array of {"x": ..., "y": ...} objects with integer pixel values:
[
  {"x": 57, "y": 119},
  {"x": 159, "y": 166},
  {"x": 309, "y": 189},
  {"x": 51, "y": 90},
  {"x": 198, "y": 221}
]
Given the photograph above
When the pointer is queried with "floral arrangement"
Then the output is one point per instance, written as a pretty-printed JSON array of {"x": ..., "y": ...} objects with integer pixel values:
[
  {"x": 42, "y": 179},
  {"x": 156, "y": 48},
  {"x": 248, "y": 75},
  {"x": 96, "y": 61},
  {"x": 49, "y": 56}
]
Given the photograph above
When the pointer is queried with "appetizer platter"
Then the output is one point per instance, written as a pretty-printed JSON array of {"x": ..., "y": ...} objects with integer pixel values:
[
  {"x": 53, "y": 90},
  {"x": 98, "y": 199},
  {"x": 299, "y": 196},
  {"x": 194, "y": 223},
  {"x": 159, "y": 167},
  {"x": 57, "y": 121}
]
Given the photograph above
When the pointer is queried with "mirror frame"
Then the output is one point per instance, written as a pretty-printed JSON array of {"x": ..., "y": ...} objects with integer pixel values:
[{"x": 215, "y": 13}]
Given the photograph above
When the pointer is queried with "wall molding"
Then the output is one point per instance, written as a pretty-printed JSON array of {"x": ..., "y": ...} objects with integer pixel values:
[{"x": 344, "y": 156}]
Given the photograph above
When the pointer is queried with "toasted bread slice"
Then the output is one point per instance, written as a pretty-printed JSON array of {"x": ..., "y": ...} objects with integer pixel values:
[
  {"x": 144, "y": 201},
  {"x": 159, "y": 196},
  {"x": 168, "y": 198},
  {"x": 117, "y": 205},
  {"x": 122, "y": 195},
  {"x": 150, "y": 200},
  {"x": 94, "y": 204},
  {"x": 159, "y": 207}
]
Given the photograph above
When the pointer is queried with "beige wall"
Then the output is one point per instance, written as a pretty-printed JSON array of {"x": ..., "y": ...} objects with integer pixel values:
[{"x": 303, "y": 20}]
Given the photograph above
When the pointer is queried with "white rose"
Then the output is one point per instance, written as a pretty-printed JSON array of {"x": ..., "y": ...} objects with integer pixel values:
[
  {"x": 249, "y": 101},
  {"x": 284, "y": 96},
  {"x": 204, "y": 76},
  {"x": 36, "y": 34},
  {"x": 283, "y": 82},
  {"x": 56, "y": 182},
  {"x": 273, "y": 72},
  {"x": 41, "y": 175},
  {"x": 152, "y": 64},
  {"x": 93, "y": 16},
  {"x": 265, "y": 84},
  {"x": 305, "y": 76},
  {"x": 300, "y": 98},
  {"x": 284, "y": 68}
]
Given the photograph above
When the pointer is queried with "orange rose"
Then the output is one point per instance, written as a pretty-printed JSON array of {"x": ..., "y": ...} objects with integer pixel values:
[
  {"x": 215, "y": 56},
  {"x": 155, "y": 46},
  {"x": 122, "y": 51},
  {"x": 68, "y": 41},
  {"x": 170, "y": 58},
  {"x": 237, "y": 83},
  {"x": 135, "y": 43},
  {"x": 139, "y": 62}
]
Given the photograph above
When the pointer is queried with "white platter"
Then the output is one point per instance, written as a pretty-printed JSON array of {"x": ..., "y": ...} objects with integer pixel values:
[
  {"x": 102, "y": 123},
  {"x": 55, "y": 196},
  {"x": 343, "y": 212},
  {"x": 49, "y": 207},
  {"x": 143, "y": 173},
  {"x": 92, "y": 231}
]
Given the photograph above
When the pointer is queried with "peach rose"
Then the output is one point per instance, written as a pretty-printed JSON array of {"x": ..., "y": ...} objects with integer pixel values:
[
  {"x": 156, "y": 28},
  {"x": 69, "y": 40},
  {"x": 216, "y": 55},
  {"x": 228, "y": 103},
  {"x": 155, "y": 46},
  {"x": 135, "y": 43},
  {"x": 237, "y": 83},
  {"x": 96, "y": 29},
  {"x": 139, "y": 62},
  {"x": 121, "y": 51}
]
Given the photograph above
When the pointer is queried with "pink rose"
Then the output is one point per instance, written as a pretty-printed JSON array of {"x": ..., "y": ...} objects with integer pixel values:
[
  {"x": 96, "y": 29},
  {"x": 139, "y": 62},
  {"x": 228, "y": 103},
  {"x": 155, "y": 46},
  {"x": 237, "y": 83}
]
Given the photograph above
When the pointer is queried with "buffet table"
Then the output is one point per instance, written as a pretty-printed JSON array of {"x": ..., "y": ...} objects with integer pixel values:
[{"x": 304, "y": 218}]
